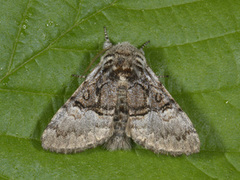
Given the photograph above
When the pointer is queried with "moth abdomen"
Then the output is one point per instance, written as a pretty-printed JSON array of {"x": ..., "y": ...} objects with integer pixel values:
[{"x": 119, "y": 139}]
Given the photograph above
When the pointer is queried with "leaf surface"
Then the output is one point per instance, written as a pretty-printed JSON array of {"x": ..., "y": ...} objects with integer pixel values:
[{"x": 195, "y": 42}]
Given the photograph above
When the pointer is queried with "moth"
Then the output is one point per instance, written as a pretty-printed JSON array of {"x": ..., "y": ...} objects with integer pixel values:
[{"x": 121, "y": 101}]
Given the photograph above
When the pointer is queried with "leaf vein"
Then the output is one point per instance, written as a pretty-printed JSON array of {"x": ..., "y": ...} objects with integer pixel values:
[
  {"x": 158, "y": 8},
  {"x": 18, "y": 35}
]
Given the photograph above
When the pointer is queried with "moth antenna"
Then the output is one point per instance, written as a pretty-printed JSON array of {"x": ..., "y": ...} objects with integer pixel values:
[
  {"x": 107, "y": 44},
  {"x": 144, "y": 45},
  {"x": 141, "y": 48}
]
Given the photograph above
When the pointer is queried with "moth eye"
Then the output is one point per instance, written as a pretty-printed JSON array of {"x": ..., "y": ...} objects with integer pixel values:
[{"x": 86, "y": 95}]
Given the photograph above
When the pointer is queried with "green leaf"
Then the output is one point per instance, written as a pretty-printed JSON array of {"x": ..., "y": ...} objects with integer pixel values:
[{"x": 195, "y": 42}]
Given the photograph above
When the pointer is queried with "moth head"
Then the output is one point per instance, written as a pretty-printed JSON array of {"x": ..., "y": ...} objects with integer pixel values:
[
  {"x": 124, "y": 60},
  {"x": 141, "y": 48}
]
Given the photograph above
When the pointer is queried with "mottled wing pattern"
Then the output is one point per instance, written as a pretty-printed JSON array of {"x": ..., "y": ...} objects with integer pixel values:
[
  {"x": 84, "y": 121},
  {"x": 161, "y": 126}
]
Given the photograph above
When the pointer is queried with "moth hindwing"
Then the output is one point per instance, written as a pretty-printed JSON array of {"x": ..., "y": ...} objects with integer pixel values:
[{"x": 120, "y": 100}]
